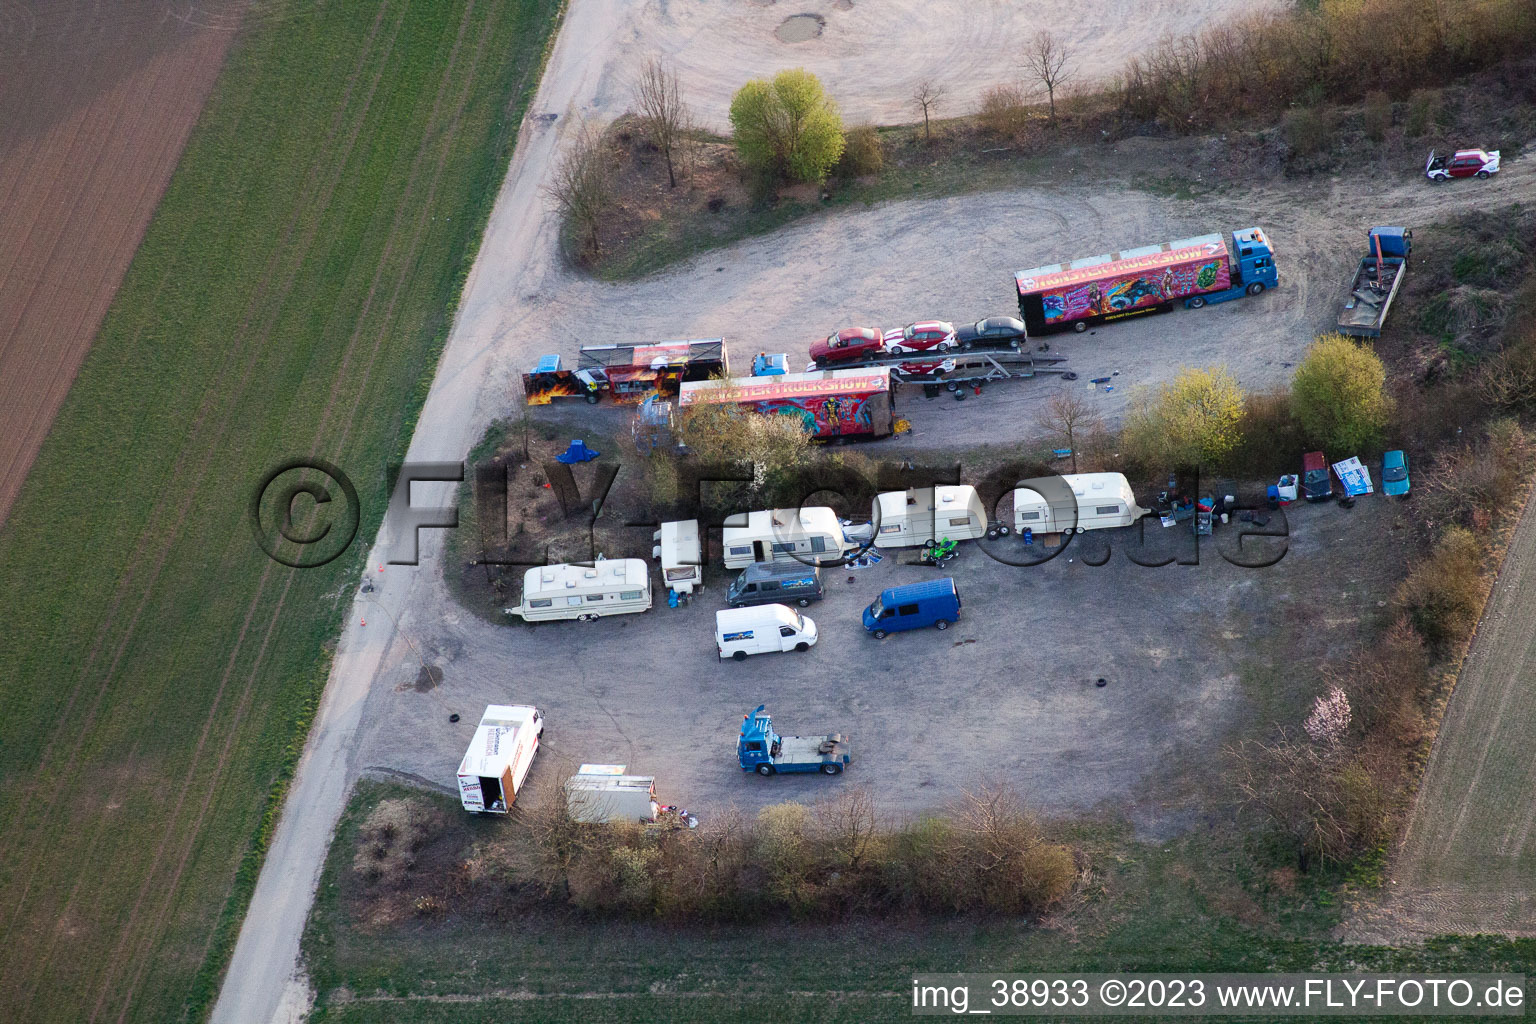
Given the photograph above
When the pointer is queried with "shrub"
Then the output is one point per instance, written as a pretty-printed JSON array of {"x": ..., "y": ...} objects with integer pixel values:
[
  {"x": 1308, "y": 131},
  {"x": 1472, "y": 483},
  {"x": 863, "y": 153},
  {"x": 1194, "y": 420},
  {"x": 1444, "y": 595},
  {"x": 1339, "y": 394},
  {"x": 1386, "y": 683},
  {"x": 1423, "y": 104},
  {"x": 1004, "y": 111},
  {"x": 1378, "y": 115},
  {"x": 1270, "y": 436},
  {"x": 1311, "y": 53},
  {"x": 787, "y": 127}
]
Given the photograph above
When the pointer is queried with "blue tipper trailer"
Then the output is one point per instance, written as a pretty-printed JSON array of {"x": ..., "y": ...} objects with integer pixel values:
[{"x": 761, "y": 750}]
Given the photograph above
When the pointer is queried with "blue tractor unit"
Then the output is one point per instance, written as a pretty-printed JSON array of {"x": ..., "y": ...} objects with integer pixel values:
[
  {"x": 761, "y": 750},
  {"x": 1252, "y": 269}
]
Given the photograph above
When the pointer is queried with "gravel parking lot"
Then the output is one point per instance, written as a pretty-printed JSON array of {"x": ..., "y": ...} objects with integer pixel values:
[{"x": 1009, "y": 692}]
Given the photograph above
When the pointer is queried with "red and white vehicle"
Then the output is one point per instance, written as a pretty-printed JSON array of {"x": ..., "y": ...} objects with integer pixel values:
[
  {"x": 1464, "y": 163},
  {"x": 920, "y": 337},
  {"x": 848, "y": 345}
]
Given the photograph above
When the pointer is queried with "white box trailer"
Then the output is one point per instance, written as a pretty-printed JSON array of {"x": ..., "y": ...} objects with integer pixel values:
[
  {"x": 919, "y": 515},
  {"x": 609, "y": 586},
  {"x": 810, "y": 535},
  {"x": 1074, "y": 502},
  {"x": 499, "y": 757},
  {"x": 681, "y": 555},
  {"x": 603, "y": 793}
]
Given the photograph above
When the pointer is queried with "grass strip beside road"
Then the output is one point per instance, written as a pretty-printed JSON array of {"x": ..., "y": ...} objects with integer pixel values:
[{"x": 289, "y": 300}]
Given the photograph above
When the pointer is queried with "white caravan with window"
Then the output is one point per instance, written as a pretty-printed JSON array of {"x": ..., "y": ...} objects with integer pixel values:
[
  {"x": 1074, "y": 503},
  {"x": 762, "y": 629},
  {"x": 680, "y": 554},
  {"x": 811, "y": 535},
  {"x": 922, "y": 514},
  {"x": 609, "y": 586},
  {"x": 499, "y": 757}
]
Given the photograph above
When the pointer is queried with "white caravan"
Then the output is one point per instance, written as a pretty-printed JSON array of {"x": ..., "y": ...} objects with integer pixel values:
[
  {"x": 609, "y": 586},
  {"x": 1074, "y": 503},
  {"x": 919, "y": 515},
  {"x": 812, "y": 534},
  {"x": 680, "y": 554},
  {"x": 762, "y": 629},
  {"x": 499, "y": 757},
  {"x": 601, "y": 793}
]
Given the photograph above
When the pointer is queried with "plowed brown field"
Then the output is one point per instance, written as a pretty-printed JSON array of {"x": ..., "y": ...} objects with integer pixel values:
[{"x": 96, "y": 102}]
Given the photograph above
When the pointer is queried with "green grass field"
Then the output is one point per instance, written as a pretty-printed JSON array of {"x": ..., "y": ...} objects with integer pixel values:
[
  {"x": 290, "y": 298},
  {"x": 1204, "y": 903}
]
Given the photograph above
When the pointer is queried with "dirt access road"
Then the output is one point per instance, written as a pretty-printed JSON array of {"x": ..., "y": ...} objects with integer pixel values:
[
  {"x": 96, "y": 103},
  {"x": 788, "y": 286},
  {"x": 1468, "y": 859}
]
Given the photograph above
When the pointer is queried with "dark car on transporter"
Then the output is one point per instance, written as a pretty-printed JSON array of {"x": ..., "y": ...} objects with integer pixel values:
[{"x": 993, "y": 332}]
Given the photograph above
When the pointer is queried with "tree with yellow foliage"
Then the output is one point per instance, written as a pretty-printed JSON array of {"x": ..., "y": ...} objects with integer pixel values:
[
  {"x": 1339, "y": 394},
  {"x": 1195, "y": 419}
]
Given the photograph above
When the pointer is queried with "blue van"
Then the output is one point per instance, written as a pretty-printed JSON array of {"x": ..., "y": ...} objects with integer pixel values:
[{"x": 935, "y": 603}]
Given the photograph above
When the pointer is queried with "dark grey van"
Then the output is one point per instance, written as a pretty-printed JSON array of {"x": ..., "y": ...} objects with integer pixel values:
[{"x": 775, "y": 582}]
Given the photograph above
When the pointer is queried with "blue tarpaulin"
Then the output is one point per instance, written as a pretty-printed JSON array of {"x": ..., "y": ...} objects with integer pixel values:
[{"x": 577, "y": 452}]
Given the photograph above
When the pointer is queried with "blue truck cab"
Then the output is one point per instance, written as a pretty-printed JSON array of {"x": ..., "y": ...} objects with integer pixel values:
[
  {"x": 1253, "y": 269},
  {"x": 933, "y": 603},
  {"x": 759, "y": 749}
]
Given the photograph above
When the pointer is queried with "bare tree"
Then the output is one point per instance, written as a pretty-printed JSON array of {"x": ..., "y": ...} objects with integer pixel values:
[
  {"x": 926, "y": 97},
  {"x": 582, "y": 186},
  {"x": 1326, "y": 805},
  {"x": 1069, "y": 417},
  {"x": 1047, "y": 60},
  {"x": 848, "y": 824},
  {"x": 663, "y": 114}
]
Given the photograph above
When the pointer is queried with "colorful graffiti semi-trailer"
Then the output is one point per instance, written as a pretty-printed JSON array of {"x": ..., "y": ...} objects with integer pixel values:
[
  {"x": 829, "y": 404},
  {"x": 1150, "y": 279}
]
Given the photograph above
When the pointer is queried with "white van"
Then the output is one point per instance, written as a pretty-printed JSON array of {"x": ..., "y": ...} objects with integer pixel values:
[
  {"x": 919, "y": 515},
  {"x": 1074, "y": 503},
  {"x": 499, "y": 757},
  {"x": 680, "y": 554},
  {"x": 609, "y": 586},
  {"x": 762, "y": 629},
  {"x": 813, "y": 534}
]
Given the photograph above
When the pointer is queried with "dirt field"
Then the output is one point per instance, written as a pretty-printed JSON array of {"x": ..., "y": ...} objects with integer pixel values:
[
  {"x": 1468, "y": 859},
  {"x": 871, "y": 55},
  {"x": 96, "y": 102}
]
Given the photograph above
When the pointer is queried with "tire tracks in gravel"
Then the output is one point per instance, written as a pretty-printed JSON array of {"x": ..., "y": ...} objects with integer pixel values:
[
  {"x": 409, "y": 200},
  {"x": 253, "y": 348}
]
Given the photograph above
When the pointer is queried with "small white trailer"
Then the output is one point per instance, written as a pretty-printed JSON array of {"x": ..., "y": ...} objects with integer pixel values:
[
  {"x": 601, "y": 793},
  {"x": 812, "y": 535},
  {"x": 1074, "y": 503},
  {"x": 609, "y": 586},
  {"x": 920, "y": 515},
  {"x": 499, "y": 757},
  {"x": 680, "y": 554}
]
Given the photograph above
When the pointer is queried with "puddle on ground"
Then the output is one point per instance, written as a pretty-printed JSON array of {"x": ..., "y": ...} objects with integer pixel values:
[
  {"x": 427, "y": 679},
  {"x": 797, "y": 28}
]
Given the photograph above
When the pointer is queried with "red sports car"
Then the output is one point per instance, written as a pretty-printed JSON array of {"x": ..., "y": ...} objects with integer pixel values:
[
  {"x": 920, "y": 337},
  {"x": 1464, "y": 163},
  {"x": 847, "y": 345}
]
